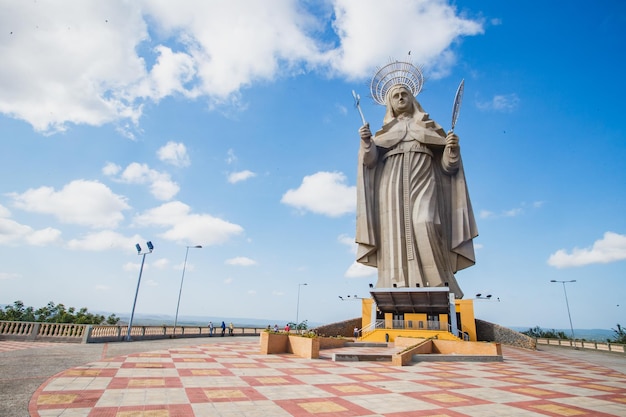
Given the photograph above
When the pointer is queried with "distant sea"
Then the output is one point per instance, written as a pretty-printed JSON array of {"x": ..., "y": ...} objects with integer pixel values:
[{"x": 159, "y": 320}]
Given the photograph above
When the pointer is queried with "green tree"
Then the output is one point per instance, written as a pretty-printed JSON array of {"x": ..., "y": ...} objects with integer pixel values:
[
  {"x": 620, "y": 335},
  {"x": 538, "y": 332},
  {"x": 17, "y": 312},
  {"x": 53, "y": 313},
  {"x": 113, "y": 320}
]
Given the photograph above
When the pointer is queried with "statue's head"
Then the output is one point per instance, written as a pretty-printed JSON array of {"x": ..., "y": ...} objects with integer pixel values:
[
  {"x": 399, "y": 100},
  {"x": 396, "y": 85}
]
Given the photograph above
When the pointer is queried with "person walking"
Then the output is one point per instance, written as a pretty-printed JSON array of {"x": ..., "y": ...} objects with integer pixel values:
[
  {"x": 223, "y": 329},
  {"x": 230, "y": 328}
]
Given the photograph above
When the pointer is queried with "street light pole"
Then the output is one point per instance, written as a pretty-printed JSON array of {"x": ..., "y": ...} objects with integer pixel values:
[
  {"x": 298, "y": 304},
  {"x": 143, "y": 259},
  {"x": 180, "y": 291},
  {"x": 567, "y": 305}
]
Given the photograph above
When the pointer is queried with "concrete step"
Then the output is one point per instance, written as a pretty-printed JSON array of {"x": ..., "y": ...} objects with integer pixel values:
[
  {"x": 361, "y": 357},
  {"x": 367, "y": 344}
]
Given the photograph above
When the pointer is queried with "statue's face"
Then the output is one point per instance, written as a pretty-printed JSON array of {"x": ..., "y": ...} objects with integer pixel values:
[{"x": 401, "y": 100}]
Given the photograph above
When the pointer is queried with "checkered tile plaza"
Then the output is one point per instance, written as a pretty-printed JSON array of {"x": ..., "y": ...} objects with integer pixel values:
[{"x": 232, "y": 379}]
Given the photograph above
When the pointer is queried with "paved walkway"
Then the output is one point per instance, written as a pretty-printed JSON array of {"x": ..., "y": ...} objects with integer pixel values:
[{"x": 229, "y": 378}]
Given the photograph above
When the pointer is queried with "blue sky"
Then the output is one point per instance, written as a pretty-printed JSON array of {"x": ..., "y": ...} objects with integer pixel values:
[{"x": 231, "y": 125}]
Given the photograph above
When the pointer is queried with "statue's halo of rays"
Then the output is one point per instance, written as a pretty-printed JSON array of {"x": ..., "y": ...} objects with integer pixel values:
[{"x": 394, "y": 73}]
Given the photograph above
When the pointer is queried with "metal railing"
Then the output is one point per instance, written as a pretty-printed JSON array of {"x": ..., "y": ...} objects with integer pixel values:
[{"x": 405, "y": 324}]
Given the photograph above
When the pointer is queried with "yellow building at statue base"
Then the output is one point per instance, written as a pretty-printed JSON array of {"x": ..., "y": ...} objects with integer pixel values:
[{"x": 416, "y": 312}]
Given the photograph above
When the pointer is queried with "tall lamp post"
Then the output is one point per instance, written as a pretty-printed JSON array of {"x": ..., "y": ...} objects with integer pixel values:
[
  {"x": 143, "y": 259},
  {"x": 567, "y": 304},
  {"x": 298, "y": 304},
  {"x": 180, "y": 291}
]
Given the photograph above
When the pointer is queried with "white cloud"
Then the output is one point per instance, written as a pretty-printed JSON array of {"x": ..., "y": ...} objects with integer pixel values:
[
  {"x": 502, "y": 103},
  {"x": 357, "y": 270},
  {"x": 170, "y": 75},
  {"x": 70, "y": 62},
  {"x": 134, "y": 266},
  {"x": 183, "y": 226},
  {"x": 73, "y": 62},
  {"x": 161, "y": 185},
  {"x": 6, "y": 275},
  {"x": 174, "y": 153},
  {"x": 323, "y": 193},
  {"x": 370, "y": 33},
  {"x": 104, "y": 240},
  {"x": 14, "y": 233},
  {"x": 349, "y": 241},
  {"x": 241, "y": 261},
  {"x": 611, "y": 248},
  {"x": 513, "y": 212},
  {"x": 87, "y": 203},
  {"x": 230, "y": 156},
  {"x": 228, "y": 281},
  {"x": 236, "y": 177},
  {"x": 110, "y": 169},
  {"x": 162, "y": 263}
]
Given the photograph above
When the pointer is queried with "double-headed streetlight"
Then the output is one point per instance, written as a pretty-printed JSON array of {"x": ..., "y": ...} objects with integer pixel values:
[
  {"x": 143, "y": 259},
  {"x": 180, "y": 291},
  {"x": 298, "y": 304},
  {"x": 567, "y": 304}
]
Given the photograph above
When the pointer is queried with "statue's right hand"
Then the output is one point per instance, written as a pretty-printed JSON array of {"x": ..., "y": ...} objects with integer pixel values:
[{"x": 365, "y": 132}]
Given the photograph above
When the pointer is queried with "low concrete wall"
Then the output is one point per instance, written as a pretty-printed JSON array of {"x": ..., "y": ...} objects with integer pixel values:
[
  {"x": 274, "y": 343},
  {"x": 333, "y": 342},
  {"x": 433, "y": 349},
  {"x": 446, "y": 347},
  {"x": 304, "y": 347},
  {"x": 490, "y": 332},
  {"x": 406, "y": 356}
]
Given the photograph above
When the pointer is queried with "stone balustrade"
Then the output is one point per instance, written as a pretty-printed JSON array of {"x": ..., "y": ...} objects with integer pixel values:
[
  {"x": 85, "y": 333},
  {"x": 582, "y": 344}
]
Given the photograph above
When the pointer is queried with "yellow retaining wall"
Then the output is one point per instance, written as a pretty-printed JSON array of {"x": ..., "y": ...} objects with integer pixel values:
[
  {"x": 366, "y": 312},
  {"x": 378, "y": 335},
  {"x": 468, "y": 322}
]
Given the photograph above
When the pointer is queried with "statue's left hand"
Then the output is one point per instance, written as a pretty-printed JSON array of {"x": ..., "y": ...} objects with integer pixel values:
[{"x": 452, "y": 140}]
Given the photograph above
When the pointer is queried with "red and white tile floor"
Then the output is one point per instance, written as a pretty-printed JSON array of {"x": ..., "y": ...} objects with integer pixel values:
[{"x": 232, "y": 379}]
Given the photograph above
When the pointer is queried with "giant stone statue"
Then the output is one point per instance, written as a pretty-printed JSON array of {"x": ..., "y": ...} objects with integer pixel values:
[{"x": 414, "y": 217}]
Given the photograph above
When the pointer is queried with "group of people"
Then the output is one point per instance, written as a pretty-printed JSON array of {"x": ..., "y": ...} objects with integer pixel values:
[
  {"x": 275, "y": 328},
  {"x": 231, "y": 329}
]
